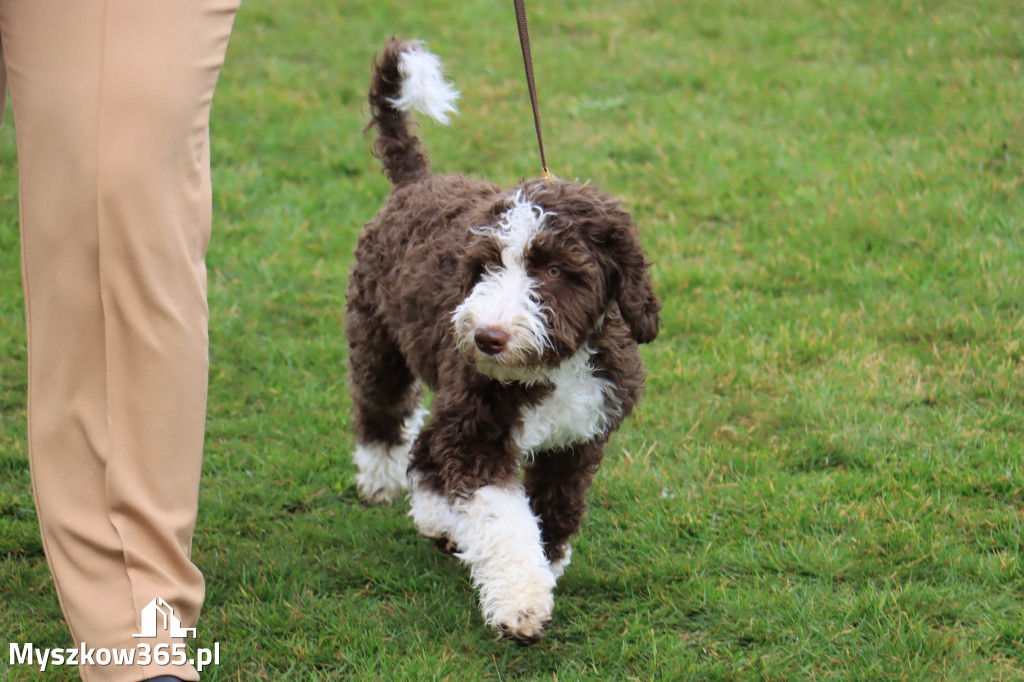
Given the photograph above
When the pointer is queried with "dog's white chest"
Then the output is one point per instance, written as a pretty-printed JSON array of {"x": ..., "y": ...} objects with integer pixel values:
[{"x": 579, "y": 408}]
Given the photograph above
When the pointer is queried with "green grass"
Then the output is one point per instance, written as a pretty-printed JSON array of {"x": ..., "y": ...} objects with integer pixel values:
[{"x": 826, "y": 477}]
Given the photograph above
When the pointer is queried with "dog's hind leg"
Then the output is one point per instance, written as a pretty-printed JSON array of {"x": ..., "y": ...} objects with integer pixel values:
[
  {"x": 556, "y": 483},
  {"x": 388, "y": 415}
]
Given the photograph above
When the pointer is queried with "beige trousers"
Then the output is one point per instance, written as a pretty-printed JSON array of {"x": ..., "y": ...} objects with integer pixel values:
[{"x": 111, "y": 103}]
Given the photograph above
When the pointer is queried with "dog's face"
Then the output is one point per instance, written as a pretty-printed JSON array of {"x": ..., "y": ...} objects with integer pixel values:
[{"x": 540, "y": 273}]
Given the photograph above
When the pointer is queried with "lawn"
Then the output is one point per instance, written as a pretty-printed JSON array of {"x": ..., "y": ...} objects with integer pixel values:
[{"x": 825, "y": 479}]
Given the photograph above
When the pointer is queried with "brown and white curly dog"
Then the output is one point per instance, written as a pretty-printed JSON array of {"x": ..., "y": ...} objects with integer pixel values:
[{"x": 521, "y": 309}]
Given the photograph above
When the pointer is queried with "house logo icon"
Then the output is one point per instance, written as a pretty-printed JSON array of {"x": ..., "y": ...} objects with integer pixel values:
[{"x": 151, "y": 619}]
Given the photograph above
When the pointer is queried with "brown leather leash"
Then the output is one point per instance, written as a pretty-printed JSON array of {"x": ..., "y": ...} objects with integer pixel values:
[{"x": 524, "y": 42}]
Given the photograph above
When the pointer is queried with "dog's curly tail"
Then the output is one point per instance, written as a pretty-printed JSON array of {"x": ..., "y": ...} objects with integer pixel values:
[{"x": 406, "y": 77}]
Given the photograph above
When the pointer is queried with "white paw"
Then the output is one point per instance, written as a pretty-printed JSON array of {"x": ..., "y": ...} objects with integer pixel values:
[
  {"x": 431, "y": 513},
  {"x": 374, "y": 491},
  {"x": 382, "y": 472},
  {"x": 522, "y": 622},
  {"x": 558, "y": 566},
  {"x": 499, "y": 538},
  {"x": 383, "y": 468}
]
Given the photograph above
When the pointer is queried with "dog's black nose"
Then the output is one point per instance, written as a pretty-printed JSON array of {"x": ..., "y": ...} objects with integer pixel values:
[{"x": 491, "y": 340}]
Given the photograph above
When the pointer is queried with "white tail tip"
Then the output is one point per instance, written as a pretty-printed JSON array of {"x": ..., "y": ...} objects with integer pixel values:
[{"x": 423, "y": 85}]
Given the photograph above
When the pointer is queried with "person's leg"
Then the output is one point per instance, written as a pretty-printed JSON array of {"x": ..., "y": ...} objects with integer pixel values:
[{"x": 111, "y": 102}]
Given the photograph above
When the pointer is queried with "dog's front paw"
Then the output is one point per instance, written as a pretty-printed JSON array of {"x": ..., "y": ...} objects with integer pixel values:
[
  {"x": 524, "y": 617},
  {"x": 526, "y": 627}
]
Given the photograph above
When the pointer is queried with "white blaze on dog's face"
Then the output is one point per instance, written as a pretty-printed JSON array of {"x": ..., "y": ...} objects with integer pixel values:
[{"x": 502, "y": 325}]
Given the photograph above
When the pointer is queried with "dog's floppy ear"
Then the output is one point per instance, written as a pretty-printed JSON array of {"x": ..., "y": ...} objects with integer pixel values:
[
  {"x": 612, "y": 230},
  {"x": 635, "y": 294}
]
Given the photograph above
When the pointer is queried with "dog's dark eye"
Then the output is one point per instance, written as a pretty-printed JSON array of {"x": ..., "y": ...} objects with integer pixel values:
[{"x": 554, "y": 272}]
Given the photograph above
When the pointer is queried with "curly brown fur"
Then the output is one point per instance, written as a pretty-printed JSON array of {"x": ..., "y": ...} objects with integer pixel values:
[{"x": 521, "y": 309}]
